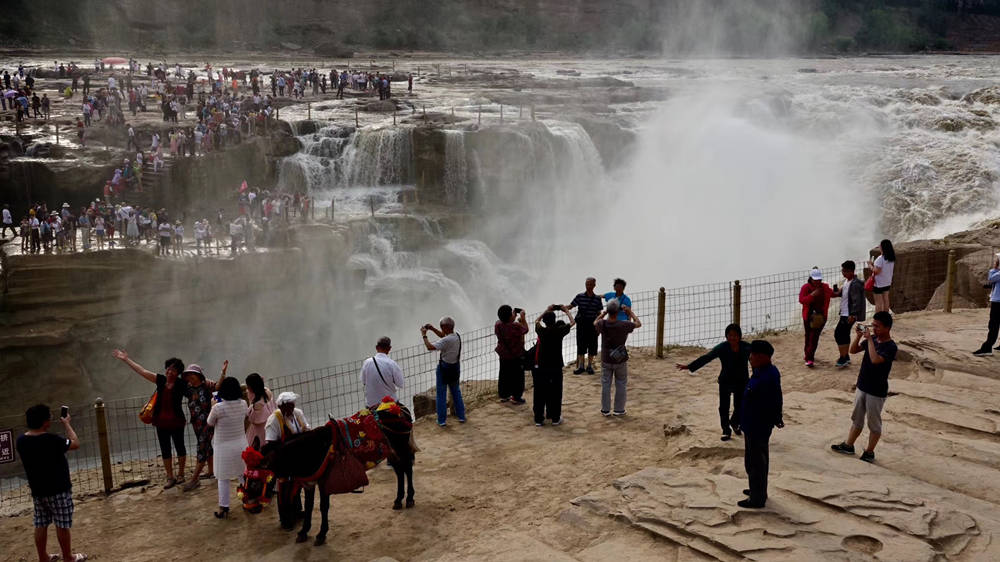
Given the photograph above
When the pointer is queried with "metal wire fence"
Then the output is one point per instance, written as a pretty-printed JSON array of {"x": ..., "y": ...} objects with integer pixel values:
[{"x": 694, "y": 316}]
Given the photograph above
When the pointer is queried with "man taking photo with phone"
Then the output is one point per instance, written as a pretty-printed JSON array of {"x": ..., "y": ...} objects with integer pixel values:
[
  {"x": 43, "y": 455},
  {"x": 876, "y": 343}
]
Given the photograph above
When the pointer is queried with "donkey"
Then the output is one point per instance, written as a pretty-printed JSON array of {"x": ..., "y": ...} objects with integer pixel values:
[{"x": 334, "y": 458}]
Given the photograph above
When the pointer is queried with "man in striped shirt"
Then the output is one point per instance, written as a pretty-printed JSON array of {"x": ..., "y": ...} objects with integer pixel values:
[{"x": 590, "y": 305}]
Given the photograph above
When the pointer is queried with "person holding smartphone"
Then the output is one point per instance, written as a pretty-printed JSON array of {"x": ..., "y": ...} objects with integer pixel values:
[
  {"x": 509, "y": 329},
  {"x": 43, "y": 455},
  {"x": 876, "y": 343},
  {"x": 993, "y": 328}
]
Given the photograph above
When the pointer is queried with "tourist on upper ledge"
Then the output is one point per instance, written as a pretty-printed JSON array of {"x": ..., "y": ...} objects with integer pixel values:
[
  {"x": 814, "y": 297},
  {"x": 993, "y": 282},
  {"x": 762, "y": 405}
]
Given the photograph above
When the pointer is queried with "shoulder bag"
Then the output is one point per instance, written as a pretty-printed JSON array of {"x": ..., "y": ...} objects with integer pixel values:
[{"x": 146, "y": 413}]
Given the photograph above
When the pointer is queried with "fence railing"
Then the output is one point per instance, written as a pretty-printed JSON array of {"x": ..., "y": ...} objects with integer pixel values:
[{"x": 686, "y": 316}]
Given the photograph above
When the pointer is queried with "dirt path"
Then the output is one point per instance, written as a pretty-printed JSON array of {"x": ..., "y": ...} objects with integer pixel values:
[{"x": 499, "y": 488}]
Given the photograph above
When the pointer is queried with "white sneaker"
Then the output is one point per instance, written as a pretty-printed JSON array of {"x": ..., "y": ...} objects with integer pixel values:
[{"x": 558, "y": 421}]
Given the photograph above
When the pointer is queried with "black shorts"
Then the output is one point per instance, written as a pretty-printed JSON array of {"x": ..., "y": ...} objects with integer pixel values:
[
  {"x": 842, "y": 333},
  {"x": 880, "y": 290},
  {"x": 586, "y": 338}
]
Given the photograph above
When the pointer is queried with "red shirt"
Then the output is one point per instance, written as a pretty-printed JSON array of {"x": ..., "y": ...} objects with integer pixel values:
[{"x": 822, "y": 301}]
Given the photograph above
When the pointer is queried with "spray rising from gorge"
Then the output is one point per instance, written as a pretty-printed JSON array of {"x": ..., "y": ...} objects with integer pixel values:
[{"x": 746, "y": 168}]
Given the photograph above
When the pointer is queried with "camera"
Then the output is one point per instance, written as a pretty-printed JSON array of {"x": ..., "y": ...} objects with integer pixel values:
[
  {"x": 557, "y": 307},
  {"x": 860, "y": 327},
  {"x": 518, "y": 310},
  {"x": 63, "y": 412}
]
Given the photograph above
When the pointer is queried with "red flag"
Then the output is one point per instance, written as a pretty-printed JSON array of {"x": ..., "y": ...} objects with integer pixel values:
[{"x": 243, "y": 186}]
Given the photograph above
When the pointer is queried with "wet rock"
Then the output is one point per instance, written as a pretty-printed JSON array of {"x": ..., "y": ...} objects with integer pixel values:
[
  {"x": 988, "y": 95},
  {"x": 291, "y": 46},
  {"x": 333, "y": 49}
]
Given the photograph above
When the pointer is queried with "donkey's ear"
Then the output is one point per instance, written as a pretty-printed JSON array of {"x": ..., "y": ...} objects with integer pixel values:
[
  {"x": 256, "y": 443},
  {"x": 330, "y": 417}
]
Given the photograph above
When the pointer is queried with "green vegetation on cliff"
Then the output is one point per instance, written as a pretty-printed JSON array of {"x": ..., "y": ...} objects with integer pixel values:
[{"x": 752, "y": 27}]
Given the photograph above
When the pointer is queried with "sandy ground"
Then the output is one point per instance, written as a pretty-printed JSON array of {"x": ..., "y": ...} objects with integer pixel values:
[{"x": 655, "y": 485}]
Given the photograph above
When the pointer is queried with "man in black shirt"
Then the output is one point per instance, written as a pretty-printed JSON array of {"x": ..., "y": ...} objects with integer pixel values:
[
  {"x": 548, "y": 374},
  {"x": 873, "y": 383},
  {"x": 43, "y": 455},
  {"x": 589, "y": 305}
]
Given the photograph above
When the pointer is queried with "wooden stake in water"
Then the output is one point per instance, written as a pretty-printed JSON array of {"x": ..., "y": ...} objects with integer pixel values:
[
  {"x": 393, "y": 115},
  {"x": 57, "y": 135},
  {"x": 356, "y": 117},
  {"x": 371, "y": 202},
  {"x": 333, "y": 204},
  {"x": 501, "y": 113},
  {"x": 424, "y": 107},
  {"x": 309, "y": 111},
  {"x": 480, "y": 121}
]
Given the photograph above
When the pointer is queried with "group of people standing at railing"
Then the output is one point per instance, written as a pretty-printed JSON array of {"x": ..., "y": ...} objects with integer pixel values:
[
  {"x": 815, "y": 297},
  {"x": 607, "y": 315}
]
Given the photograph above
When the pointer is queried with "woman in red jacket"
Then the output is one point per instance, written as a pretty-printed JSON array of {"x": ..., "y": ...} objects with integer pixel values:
[{"x": 815, "y": 299}]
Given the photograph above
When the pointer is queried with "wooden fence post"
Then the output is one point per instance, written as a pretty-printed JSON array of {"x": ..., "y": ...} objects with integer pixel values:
[
  {"x": 309, "y": 111},
  {"x": 371, "y": 202},
  {"x": 737, "y": 301},
  {"x": 102, "y": 439},
  {"x": 661, "y": 312},
  {"x": 950, "y": 282},
  {"x": 355, "y": 117}
]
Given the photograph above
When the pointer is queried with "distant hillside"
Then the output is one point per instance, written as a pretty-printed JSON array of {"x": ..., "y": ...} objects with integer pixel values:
[{"x": 742, "y": 27}]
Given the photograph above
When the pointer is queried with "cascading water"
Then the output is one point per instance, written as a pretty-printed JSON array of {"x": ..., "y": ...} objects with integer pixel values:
[{"x": 456, "y": 168}]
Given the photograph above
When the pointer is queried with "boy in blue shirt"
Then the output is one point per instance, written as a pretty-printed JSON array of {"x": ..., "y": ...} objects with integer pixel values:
[{"x": 623, "y": 300}]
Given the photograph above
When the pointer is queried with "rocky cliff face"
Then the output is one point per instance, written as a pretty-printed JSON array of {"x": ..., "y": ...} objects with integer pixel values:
[
  {"x": 919, "y": 279},
  {"x": 62, "y": 316}
]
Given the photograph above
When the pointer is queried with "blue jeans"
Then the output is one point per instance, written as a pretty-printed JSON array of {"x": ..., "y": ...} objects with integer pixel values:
[{"x": 442, "y": 394}]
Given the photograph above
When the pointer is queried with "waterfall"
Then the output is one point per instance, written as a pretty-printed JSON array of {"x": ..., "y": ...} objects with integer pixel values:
[
  {"x": 456, "y": 177},
  {"x": 379, "y": 157}
]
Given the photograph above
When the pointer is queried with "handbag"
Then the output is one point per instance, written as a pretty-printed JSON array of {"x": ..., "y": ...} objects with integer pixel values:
[
  {"x": 345, "y": 473},
  {"x": 529, "y": 360},
  {"x": 146, "y": 413},
  {"x": 816, "y": 320},
  {"x": 618, "y": 354},
  {"x": 870, "y": 283}
]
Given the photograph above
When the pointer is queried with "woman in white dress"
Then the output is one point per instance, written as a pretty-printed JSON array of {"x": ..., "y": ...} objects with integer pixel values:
[{"x": 227, "y": 417}]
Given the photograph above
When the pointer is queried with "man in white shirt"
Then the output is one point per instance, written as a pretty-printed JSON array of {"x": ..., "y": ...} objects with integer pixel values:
[
  {"x": 8, "y": 222},
  {"x": 380, "y": 375},
  {"x": 285, "y": 421},
  {"x": 448, "y": 369}
]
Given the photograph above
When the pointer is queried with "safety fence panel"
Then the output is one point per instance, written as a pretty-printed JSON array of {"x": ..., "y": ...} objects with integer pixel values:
[{"x": 694, "y": 316}]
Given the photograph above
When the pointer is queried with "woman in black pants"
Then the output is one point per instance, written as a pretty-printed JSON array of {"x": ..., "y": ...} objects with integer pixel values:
[
  {"x": 168, "y": 412},
  {"x": 547, "y": 375},
  {"x": 734, "y": 354}
]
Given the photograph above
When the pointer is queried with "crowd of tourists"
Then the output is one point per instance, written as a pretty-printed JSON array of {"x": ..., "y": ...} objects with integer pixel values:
[
  {"x": 112, "y": 222},
  {"x": 226, "y": 420}
]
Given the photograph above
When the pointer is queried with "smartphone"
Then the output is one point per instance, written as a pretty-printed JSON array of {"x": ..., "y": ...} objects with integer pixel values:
[
  {"x": 63, "y": 412},
  {"x": 518, "y": 311}
]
